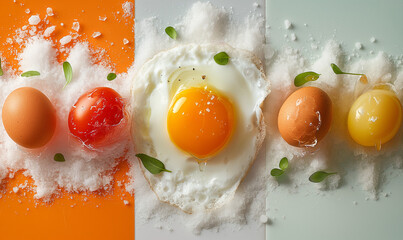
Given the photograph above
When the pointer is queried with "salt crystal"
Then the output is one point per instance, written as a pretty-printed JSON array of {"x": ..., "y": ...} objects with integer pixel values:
[
  {"x": 27, "y": 11},
  {"x": 263, "y": 219},
  {"x": 9, "y": 40},
  {"x": 49, "y": 11},
  {"x": 287, "y": 24},
  {"x": 293, "y": 37},
  {"x": 48, "y": 31},
  {"x": 103, "y": 19},
  {"x": 15, "y": 189},
  {"x": 255, "y": 5},
  {"x": 125, "y": 41},
  {"x": 96, "y": 34},
  {"x": 34, "y": 20},
  {"x": 358, "y": 45},
  {"x": 65, "y": 40},
  {"x": 127, "y": 9},
  {"x": 62, "y": 24},
  {"x": 76, "y": 26},
  {"x": 126, "y": 202},
  {"x": 372, "y": 39},
  {"x": 32, "y": 31}
]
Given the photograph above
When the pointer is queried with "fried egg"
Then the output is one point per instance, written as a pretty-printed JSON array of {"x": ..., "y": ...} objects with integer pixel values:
[{"x": 202, "y": 120}]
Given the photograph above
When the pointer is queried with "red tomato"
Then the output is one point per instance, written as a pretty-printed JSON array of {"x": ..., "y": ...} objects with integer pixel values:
[{"x": 98, "y": 117}]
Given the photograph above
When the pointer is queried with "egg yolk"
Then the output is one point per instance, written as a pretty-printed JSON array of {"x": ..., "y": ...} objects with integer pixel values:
[
  {"x": 375, "y": 118},
  {"x": 200, "y": 122}
]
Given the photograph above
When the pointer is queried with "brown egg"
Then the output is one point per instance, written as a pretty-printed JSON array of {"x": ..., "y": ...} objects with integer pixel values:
[
  {"x": 29, "y": 117},
  {"x": 305, "y": 117}
]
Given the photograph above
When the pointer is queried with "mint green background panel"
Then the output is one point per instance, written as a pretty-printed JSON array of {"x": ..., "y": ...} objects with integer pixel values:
[{"x": 345, "y": 213}]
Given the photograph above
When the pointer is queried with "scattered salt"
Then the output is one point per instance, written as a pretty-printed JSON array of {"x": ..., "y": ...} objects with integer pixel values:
[
  {"x": 62, "y": 24},
  {"x": 65, "y": 40},
  {"x": 49, "y": 11},
  {"x": 287, "y": 24},
  {"x": 96, "y": 34},
  {"x": 48, "y": 31},
  {"x": 358, "y": 45},
  {"x": 125, "y": 41},
  {"x": 34, "y": 20},
  {"x": 126, "y": 202},
  {"x": 85, "y": 170},
  {"x": 27, "y": 11},
  {"x": 103, "y": 19},
  {"x": 15, "y": 189},
  {"x": 76, "y": 26}
]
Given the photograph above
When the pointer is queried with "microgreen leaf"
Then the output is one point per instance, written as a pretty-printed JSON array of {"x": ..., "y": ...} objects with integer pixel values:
[
  {"x": 30, "y": 74},
  {"x": 59, "y": 157},
  {"x": 68, "y": 73},
  {"x": 337, "y": 70},
  {"x": 111, "y": 76},
  {"x": 319, "y": 176},
  {"x": 153, "y": 165},
  {"x": 1, "y": 70},
  {"x": 171, "y": 32},
  {"x": 221, "y": 58},
  {"x": 305, "y": 77},
  {"x": 283, "y": 163},
  {"x": 275, "y": 172}
]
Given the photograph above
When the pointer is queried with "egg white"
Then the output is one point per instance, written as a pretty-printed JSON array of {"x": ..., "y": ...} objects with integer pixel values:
[{"x": 242, "y": 81}]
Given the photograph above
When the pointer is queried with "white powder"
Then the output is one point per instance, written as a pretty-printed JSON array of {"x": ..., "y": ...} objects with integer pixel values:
[
  {"x": 203, "y": 23},
  {"x": 34, "y": 20},
  {"x": 83, "y": 170},
  {"x": 103, "y": 19}
]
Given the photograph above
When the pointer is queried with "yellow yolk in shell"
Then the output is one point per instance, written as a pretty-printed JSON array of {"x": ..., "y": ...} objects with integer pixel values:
[
  {"x": 375, "y": 118},
  {"x": 200, "y": 121}
]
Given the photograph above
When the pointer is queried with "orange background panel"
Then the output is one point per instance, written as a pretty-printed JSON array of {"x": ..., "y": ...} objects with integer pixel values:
[{"x": 101, "y": 215}]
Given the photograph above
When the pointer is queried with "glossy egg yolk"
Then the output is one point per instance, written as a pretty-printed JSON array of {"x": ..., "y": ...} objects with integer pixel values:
[
  {"x": 375, "y": 118},
  {"x": 200, "y": 122}
]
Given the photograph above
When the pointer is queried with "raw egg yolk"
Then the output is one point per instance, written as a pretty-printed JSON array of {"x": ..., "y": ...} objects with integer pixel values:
[
  {"x": 375, "y": 118},
  {"x": 200, "y": 122}
]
